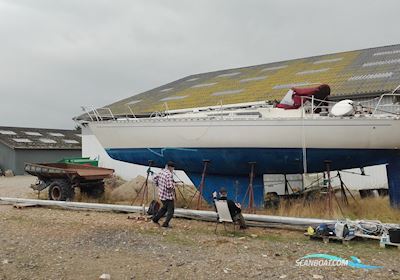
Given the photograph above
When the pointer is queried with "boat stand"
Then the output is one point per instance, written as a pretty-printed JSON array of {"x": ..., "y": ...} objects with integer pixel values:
[
  {"x": 250, "y": 191},
  {"x": 287, "y": 186},
  {"x": 287, "y": 197},
  {"x": 330, "y": 191},
  {"x": 343, "y": 189},
  {"x": 144, "y": 189},
  {"x": 201, "y": 186}
]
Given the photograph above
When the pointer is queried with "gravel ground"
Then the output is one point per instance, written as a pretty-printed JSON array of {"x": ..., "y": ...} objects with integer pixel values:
[
  {"x": 42, "y": 243},
  {"x": 17, "y": 186}
]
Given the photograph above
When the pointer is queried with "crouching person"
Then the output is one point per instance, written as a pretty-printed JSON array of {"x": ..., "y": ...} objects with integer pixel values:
[{"x": 235, "y": 209}]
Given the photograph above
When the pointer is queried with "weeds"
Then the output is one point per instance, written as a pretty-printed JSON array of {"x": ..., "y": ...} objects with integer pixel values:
[{"x": 374, "y": 208}]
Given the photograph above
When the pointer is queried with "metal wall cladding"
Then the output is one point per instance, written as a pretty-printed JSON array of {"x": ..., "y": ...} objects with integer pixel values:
[{"x": 360, "y": 72}]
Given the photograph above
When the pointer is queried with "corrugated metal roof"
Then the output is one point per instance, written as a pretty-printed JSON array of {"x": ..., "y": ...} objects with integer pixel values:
[
  {"x": 40, "y": 138},
  {"x": 360, "y": 72}
]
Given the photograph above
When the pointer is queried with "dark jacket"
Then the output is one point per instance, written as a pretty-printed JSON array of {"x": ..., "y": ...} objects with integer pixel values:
[{"x": 233, "y": 209}]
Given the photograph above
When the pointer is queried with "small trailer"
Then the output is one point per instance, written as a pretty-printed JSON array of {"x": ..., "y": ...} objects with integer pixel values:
[{"x": 62, "y": 178}]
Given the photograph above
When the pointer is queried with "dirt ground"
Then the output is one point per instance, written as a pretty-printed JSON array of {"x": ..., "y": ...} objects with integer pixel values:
[
  {"x": 17, "y": 186},
  {"x": 42, "y": 243}
]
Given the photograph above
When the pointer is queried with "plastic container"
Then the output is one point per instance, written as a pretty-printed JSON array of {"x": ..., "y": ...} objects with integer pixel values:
[
  {"x": 339, "y": 229},
  {"x": 80, "y": 160},
  {"x": 394, "y": 235},
  {"x": 384, "y": 240}
]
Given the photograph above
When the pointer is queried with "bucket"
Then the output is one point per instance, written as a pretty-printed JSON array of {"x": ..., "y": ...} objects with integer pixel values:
[
  {"x": 339, "y": 229},
  {"x": 394, "y": 235}
]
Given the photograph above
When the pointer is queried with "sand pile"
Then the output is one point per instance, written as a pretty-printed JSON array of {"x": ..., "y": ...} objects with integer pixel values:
[
  {"x": 113, "y": 182},
  {"x": 130, "y": 190}
]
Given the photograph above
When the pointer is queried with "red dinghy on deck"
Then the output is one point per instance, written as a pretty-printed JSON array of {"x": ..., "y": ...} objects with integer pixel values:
[{"x": 292, "y": 99}]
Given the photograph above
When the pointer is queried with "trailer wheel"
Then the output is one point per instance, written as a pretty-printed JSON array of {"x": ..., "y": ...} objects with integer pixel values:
[
  {"x": 94, "y": 191},
  {"x": 60, "y": 190}
]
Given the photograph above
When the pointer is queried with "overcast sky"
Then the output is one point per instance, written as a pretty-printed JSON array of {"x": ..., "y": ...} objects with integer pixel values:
[{"x": 57, "y": 55}]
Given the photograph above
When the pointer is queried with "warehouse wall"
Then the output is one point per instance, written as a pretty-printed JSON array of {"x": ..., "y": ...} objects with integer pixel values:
[
  {"x": 7, "y": 158},
  {"x": 40, "y": 156}
]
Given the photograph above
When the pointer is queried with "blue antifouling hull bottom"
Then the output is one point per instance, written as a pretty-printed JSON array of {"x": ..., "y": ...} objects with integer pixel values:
[
  {"x": 235, "y": 161},
  {"x": 235, "y": 185},
  {"x": 393, "y": 175},
  {"x": 229, "y": 167}
]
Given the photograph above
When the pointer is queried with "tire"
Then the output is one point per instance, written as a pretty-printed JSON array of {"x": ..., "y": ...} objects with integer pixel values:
[
  {"x": 94, "y": 191},
  {"x": 61, "y": 190}
]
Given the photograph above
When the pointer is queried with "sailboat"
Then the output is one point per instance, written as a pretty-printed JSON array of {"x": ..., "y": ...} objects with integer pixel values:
[{"x": 228, "y": 144}]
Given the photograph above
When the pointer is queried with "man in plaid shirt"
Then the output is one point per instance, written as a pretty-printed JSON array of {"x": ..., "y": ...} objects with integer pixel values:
[{"x": 166, "y": 192}]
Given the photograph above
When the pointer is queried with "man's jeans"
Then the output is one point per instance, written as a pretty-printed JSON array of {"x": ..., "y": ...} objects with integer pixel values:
[{"x": 167, "y": 207}]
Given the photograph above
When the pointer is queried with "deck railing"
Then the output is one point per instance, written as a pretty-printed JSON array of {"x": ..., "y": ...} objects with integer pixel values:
[{"x": 310, "y": 108}]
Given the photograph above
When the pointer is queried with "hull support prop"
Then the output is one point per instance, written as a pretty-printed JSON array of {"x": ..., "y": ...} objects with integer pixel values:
[
  {"x": 201, "y": 186},
  {"x": 250, "y": 190},
  {"x": 330, "y": 192},
  {"x": 393, "y": 175},
  {"x": 144, "y": 189}
]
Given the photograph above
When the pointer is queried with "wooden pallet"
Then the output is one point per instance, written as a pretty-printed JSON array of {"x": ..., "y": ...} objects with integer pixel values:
[
  {"x": 367, "y": 236},
  {"x": 327, "y": 239},
  {"x": 389, "y": 244}
]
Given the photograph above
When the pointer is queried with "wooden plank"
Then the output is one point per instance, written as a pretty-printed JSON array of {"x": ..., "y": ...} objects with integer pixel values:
[
  {"x": 24, "y": 205},
  {"x": 367, "y": 236},
  {"x": 389, "y": 244},
  {"x": 327, "y": 239}
]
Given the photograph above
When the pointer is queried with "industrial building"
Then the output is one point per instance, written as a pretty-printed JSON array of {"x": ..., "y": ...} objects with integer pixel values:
[
  {"x": 359, "y": 75},
  {"x": 19, "y": 145}
]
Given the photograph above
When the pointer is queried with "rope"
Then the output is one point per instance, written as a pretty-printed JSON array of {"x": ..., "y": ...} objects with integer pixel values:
[{"x": 369, "y": 227}]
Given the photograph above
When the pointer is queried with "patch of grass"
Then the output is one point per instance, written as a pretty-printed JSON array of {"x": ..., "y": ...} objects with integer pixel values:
[
  {"x": 18, "y": 219},
  {"x": 278, "y": 238},
  {"x": 229, "y": 233},
  {"x": 366, "y": 246},
  {"x": 178, "y": 239},
  {"x": 369, "y": 209}
]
